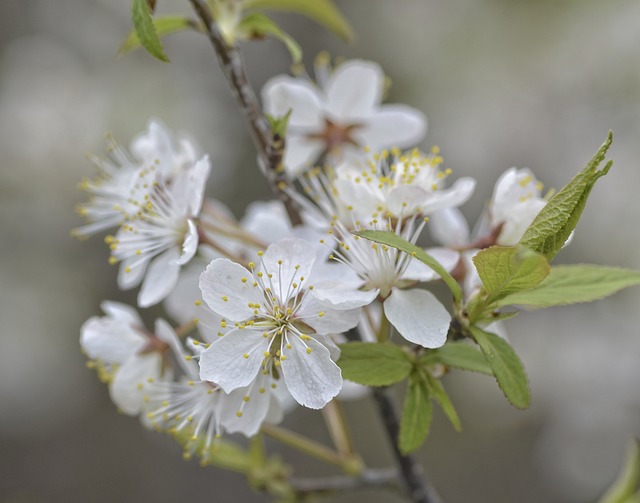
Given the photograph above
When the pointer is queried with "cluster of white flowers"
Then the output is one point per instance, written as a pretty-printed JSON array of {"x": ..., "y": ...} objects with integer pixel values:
[{"x": 270, "y": 300}]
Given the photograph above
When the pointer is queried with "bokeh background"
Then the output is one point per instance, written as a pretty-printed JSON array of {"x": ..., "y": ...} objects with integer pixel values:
[{"x": 534, "y": 83}]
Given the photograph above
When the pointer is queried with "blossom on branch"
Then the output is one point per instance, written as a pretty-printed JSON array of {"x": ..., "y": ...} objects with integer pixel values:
[
  {"x": 274, "y": 325},
  {"x": 340, "y": 115}
]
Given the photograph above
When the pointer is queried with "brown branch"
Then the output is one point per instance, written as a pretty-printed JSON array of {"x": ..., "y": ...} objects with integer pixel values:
[
  {"x": 371, "y": 477},
  {"x": 270, "y": 147},
  {"x": 411, "y": 472}
]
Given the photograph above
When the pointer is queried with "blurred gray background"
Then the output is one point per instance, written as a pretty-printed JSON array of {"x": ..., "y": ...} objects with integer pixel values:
[{"x": 504, "y": 83}]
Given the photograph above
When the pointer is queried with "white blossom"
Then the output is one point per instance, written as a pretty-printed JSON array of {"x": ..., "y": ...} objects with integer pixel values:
[
  {"x": 163, "y": 236},
  {"x": 393, "y": 194},
  {"x": 340, "y": 115},
  {"x": 116, "y": 194},
  {"x": 277, "y": 326},
  {"x": 125, "y": 353}
]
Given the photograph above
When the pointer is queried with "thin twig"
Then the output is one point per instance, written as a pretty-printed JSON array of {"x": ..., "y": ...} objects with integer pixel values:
[
  {"x": 270, "y": 147},
  {"x": 412, "y": 474},
  {"x": 372, "y": 477}
]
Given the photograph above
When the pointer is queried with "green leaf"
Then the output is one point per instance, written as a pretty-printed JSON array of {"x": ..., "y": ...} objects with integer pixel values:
[
  {"x": 571, "y": 284},
  {"x": 145, "y": 29},
  {"x": 416, "y": 416},
  {"x": 509, "y": 269},
  {"x": 392, "y": 239},
  {"x": 624, "y": 488},
  {"x": 440, "y": 395},
  {"x": 279, "y": 124},
  {"x": 374, "y": 364},
  {"x": 163, "y": 26},
  {"x": 458, "y": 355},
  {"x": 323, "y": 12},
  {"x": 506, "y": 366},
  {"x": 552, "y": 226},
  {"x": 259, "y": 25}
]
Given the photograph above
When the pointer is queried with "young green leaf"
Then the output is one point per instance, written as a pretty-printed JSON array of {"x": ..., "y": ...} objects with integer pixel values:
[
  {"x": 571, "y": 284},
  {"x": 625, "y": 488},
  {"x": 392, "y": 239},
  {"x": 145, "y": 29},
  {"x": 440, "y": 395},
  {"x": 552, "y": 226},
  {"x": 506, "y": 366},
  {"x": 458, "y": 355},
  {"x": 509, "y": 269},
  {"x": 259, "y": 25},
  {"x": 323, "y": 12},
  {"x": 416, "y": 416},
  {"x": 279, "y": 124},
  {"x": 374, "y": 364},
  {"x": 163, "y": 26}
]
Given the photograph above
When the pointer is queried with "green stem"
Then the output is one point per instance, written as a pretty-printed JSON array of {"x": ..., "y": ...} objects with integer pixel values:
[
  {"x": 333, "y": 414},
  {"x": 312, "y": 448}
]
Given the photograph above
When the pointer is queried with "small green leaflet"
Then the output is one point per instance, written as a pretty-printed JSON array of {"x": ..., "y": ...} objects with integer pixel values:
[
  {"x": 416, "y": 416},
  {"x": 374, "y": 364},
  {"x": 571, "y": 284},
  {"x": 279, "y": 124},
  {"x": 259, "y": 25},
  {"x": 625, "y": 488},
  {"x": 392, "y": 239},
  {"x": 145, "y": 29},
  {"x": 509, "y": 269},
  {"x": 440, "y": 395},
  {"x": 552, "y": 226},
  {"x": 163, "y": 26},
  {"x": 458, "y": 355},
  {"x": 323, "y": 12},
  {"x": 506, "y": 366}
]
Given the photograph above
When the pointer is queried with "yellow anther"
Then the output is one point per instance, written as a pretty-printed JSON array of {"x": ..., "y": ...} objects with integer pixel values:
[
  {"x": 246, "y": 398},
  {"x": 239, "y": 413},
  {"x": 308, "y": 351},
  {"x": 245, "y": 356}
]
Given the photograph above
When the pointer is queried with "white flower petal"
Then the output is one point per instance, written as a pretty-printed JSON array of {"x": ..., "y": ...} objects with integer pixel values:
[
  {"x": 337, "y": 295},
  {"x": 109, "y": 340},
  {"x": 160, "y": 279},
  {"x": 281, "y": 94},
  {"x": 224, "y": 290},
  {"x": 419, "y": 271},
  {"x": 245, "y": 409},
  {"x": 449, "y": 227},
  {"x": 266, "y": 220},
  {"x": 289, "y": 261},
  {"x": 234, "y": 360},
  {"x": 406, "y": 200},
  {"x": 332, "y": 321},
  {"x": 354, "y": 90},
  {"x": 166, "y": 334},
  {"x": 121, "y": 312},
  {"x": 131, "y": 271},
  {"x": 127, "y": 388},
  {"x": 197, "y": 183},
  {"x": 190, "y": 244},
  {"x": 418, "y": 316},
  {"x": 300, "y": 154},
  {"x": 456, "y": 195},
  {"x": 393, "y": 126},
  {"x": 312, "y": 378}
]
